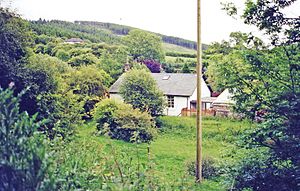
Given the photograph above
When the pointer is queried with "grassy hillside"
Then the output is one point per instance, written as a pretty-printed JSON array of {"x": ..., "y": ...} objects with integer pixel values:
[
  {"x": 175, "y": 48},
  {"x": 104, "y": 32},
  {"x": 167, "y": 159}
]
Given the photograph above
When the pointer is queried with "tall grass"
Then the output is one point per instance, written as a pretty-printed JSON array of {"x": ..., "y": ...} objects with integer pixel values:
[{"x": 92, "y": 162}]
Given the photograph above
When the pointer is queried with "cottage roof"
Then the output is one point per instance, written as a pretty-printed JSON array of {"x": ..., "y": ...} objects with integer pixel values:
[
  {"x": 74, "y": 40},
  {"x": 176, "y": 84}
]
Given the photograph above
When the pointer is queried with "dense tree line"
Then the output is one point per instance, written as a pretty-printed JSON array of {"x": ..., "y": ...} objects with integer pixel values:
[
  {"x": 124, "y": 30},
  {"x": 70, "y": 30}
]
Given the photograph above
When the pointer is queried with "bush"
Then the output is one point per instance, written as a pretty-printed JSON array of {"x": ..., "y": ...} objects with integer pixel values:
[
  {"x": 90, "y": 84},
  {"x": 152, "y": 65},
  {"x": 23, "y": 162},
  {"x": 209, "y": 168},
  {"x": 63, "y": 114},
  {"x": 120, "y": 121},
  {"x": 258, "y": 172}
]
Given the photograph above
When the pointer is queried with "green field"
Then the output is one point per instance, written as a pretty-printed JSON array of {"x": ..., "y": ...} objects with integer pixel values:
[
  {"x": 175, "y": 48},
  {"x": 171, "y": 59},
  {"x": 93, "y": 156}
]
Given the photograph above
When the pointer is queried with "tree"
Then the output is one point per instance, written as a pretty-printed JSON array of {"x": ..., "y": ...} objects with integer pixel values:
[
  {"x": 152, "y": 65},
  {"x": 140, "y": 90},
  {"x": 83, "y": 59},
  {"x": 266, "y": 80},
  {"x": 144, "y": 45},
  {"x": 24, "y": 164},
  {"x": 270, "y": 17},
  {"x": 50, "y": 96},
  {"x": 90, "y": 84},
  {"x": 14, "y": 38},
  {"x": 114, "y": 67}
]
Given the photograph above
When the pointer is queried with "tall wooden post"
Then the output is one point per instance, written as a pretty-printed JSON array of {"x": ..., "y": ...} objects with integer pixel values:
[{"x": 199, "y": 112}]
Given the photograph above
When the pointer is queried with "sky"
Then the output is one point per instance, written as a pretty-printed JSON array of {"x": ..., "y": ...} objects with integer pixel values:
[{"x": 169, "y": 17}]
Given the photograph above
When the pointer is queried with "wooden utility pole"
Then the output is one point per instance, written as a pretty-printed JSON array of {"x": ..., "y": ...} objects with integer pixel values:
[{"x": 199, "y": 112}]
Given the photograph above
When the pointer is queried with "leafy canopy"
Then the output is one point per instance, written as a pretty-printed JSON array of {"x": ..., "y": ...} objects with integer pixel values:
[
  {"x": 144, "y": 45},
  {"x": 24, "y": 163},
  {"x": 140, "y": 90},
  {"x": 266, "y": 84}
]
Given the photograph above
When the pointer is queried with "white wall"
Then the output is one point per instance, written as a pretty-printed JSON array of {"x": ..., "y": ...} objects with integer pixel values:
[
  {"x": 179, "y": 104},
  {"x": 205, "y": 92}
]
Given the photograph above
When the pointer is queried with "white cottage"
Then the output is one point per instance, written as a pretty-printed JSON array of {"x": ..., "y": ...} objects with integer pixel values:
[
  {"x": 223, "y": 103},
  {"x": 179, "y": 89}
]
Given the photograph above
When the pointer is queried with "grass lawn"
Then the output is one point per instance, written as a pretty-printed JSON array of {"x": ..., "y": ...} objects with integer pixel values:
[{"x": 169, "y": 152}]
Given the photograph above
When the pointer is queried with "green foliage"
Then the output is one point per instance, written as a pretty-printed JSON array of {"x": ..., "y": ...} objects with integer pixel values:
[
  {"x": 83, "y": 60},
  {"x": 43, "y": 39},
  {"x": 186, "y": 69},
  {"x": 14, "y": 37},
  {"x": 176, "y": 64},
  {"x": 143, "y": 45},
  {"x": 266, "y": 82},
  {"x": 140, "y": 90},
  {"x": 90, "y": 84},
  {"x": 209, "y": 168},
  {"x": 68, "y": 30},
  {"x": 171, "y": 41},
  {"x": 90, "y": 162},
  {"x": 63, "y": 112},
  {"x": 113, "y": 63},
  {"x": 90, "y": 81},
  {"x": 218, "y": 56},
  {"x": 45, "y": 75},
  {"x": 168, "y": 68},
  {"x": 50, "y": 95},
  {"x": 120, "y": 121},
  {"x": 258, "y": 172},
  {"x": 271, "y": 18},
  {"x": 63, "y": 55},
  {"x": 24, "y": 162},
  {"x": 178, "y": 54}
]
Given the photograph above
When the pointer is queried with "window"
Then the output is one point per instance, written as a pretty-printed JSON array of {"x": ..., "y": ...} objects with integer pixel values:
[{"x": 171, "y": 101}]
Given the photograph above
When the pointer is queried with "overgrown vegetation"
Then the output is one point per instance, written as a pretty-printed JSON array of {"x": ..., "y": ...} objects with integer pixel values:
[
  {"x": 67, "y": 83},
  {"x": 120, "y": 121},
  {"x": 119, "y": 165},
  {"x": 265, "y": 81},
  {"x": 24, "y": 160}
]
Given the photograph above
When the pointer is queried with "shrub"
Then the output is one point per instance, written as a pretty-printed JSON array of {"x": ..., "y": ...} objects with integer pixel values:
[
  {"x": 23, "y": 159},
  {"x": 90, "y": 84},
  {"x": 152, "y": 65},
  {"x": 120, "y": 121},
  {"x": 209, "y": 168},
  {"x": 63, "y": 113},
  {"x": 258, "y": 172}
]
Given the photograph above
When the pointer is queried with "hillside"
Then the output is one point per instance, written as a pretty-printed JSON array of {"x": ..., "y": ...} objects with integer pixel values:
[{"x": 104, "y": 32}]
